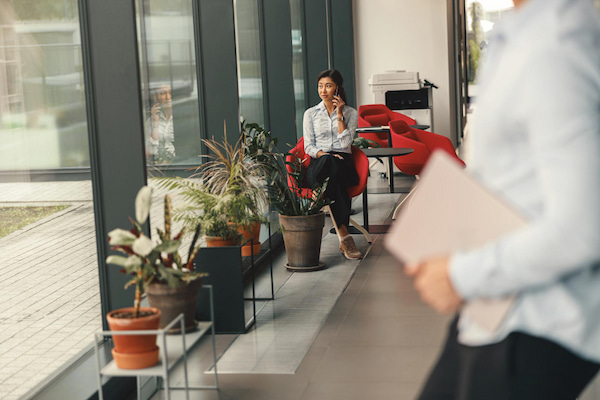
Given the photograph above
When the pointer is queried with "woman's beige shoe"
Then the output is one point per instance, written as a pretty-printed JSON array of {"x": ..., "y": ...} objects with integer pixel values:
[{"x": 348, "y": 248}]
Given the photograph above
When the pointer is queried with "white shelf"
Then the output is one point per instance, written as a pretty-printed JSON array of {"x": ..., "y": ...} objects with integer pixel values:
[
  {"x": 172, "y": 345},
  {"x": 174, "y": 354}
]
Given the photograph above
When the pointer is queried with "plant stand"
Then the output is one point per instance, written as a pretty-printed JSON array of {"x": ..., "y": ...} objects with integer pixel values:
[
  {"x": 254, "y": 299},
  {"x": 224, "y": 266},
  {"x": 173, "y": 349}
]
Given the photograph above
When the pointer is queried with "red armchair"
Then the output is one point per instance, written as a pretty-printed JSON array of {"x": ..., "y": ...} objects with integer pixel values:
[
  {"x": 379, "y": 115},
  {"x": 423, "y": 142},
  {"x": 361, "y": 163}
]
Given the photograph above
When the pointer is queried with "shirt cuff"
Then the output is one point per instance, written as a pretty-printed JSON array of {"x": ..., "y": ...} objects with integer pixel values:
[
  {"x": 312, "y": 153},
  {"x": 460, "y": 271}
]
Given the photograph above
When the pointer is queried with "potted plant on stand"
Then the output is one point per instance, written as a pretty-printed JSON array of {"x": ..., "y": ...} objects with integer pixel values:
[{"x": 147, "y": 262}]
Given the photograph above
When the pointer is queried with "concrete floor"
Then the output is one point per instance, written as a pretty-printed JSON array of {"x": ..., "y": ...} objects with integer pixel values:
[{"x": 377, "y": 342}]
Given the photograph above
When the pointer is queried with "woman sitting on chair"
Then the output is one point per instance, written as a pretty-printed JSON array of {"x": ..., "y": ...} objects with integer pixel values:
[{"x": 329, "y": 129}]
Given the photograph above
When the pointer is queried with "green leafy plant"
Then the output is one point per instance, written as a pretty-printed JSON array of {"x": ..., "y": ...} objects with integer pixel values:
[
  {"x": 146, "y": 260},
  {"x": 279, "y": 169},
  {"x": 362, "y": 143},
  {"x": 225, "y": 192}
]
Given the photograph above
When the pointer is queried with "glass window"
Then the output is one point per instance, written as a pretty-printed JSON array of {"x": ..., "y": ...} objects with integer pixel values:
[
  {"x": 481, "y": 17},
  {"x": 169, "y": 82},
  {"x": 298, "y": 62},
  {"x": 249, "y": 61},
  {"x": 42, "y": 113},
  {"x": 49, "y": 289}
]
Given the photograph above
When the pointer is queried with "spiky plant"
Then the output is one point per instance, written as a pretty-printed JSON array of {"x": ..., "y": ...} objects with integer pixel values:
[
  {"x": 225, "y": 192},
  {"x": 148, "y": 261}
]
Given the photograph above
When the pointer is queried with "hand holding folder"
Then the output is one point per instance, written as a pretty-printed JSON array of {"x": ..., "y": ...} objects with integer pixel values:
[{"x": 450, "y": 211}]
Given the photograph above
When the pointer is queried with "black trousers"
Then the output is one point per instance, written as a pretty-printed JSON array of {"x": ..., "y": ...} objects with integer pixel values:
[
  {"x": 342, "y": 175},
  {"x": 521, "y": 367}
]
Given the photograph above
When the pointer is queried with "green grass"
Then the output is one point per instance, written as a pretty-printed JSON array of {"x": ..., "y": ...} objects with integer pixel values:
[{"x": 14, "y": 218}]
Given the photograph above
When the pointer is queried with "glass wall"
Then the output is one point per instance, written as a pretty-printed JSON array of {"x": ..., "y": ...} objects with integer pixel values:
[
  {"x": 169, "y": 83},
  {"x": 481, "y": 17},
  {"x": 248, "y": 43},
  {"x": 49, "y": 289},
  {"x": 42, "y": 117},
  {"x": 298, "y": 66}
]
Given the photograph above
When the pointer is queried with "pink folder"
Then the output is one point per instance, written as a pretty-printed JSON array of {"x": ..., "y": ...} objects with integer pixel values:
[{"x": 450, "y": 211}]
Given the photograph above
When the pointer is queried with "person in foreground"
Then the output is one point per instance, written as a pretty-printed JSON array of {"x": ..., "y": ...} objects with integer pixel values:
[
  {"x": 329, "y": 129},
  {"x": 536, "y": 134}
]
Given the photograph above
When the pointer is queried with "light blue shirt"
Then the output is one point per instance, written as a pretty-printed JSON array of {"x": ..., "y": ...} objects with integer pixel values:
[
  {"x": 536, "y": 133},
  {"x": 321, "y": 130}
]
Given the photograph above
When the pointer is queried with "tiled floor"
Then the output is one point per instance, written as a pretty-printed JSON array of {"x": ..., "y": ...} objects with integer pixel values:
[{"x": 377, "y": 343}]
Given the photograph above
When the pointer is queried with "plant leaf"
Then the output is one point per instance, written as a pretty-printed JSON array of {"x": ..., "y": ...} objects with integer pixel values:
[
  {"x": 120, "y": 237},
  {"x": 142, "y": 246},
  {"x": 117, "y": 260},
  {"x": 142, "y": 204},
  {"x": 169, "y": 247}
]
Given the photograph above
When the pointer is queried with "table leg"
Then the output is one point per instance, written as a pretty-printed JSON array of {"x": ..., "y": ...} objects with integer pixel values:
[
  {"x": 391, "y": 162},
  {"x": 391, "y": 172},
  {"x": 365, "y": 210}
]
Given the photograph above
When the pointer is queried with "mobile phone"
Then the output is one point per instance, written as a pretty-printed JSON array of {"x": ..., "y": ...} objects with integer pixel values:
[{"x": 337, "y": 91}]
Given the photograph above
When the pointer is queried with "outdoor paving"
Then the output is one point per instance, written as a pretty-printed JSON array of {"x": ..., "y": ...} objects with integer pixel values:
[{"x": 49, "y": 289}]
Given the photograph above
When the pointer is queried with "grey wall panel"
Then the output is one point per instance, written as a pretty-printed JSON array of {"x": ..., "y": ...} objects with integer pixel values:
[
  {"x": 218, "y": 67},
  {"x": 279, "y": 79},
  {"x": 342, "y": 45},
  {"x": 316, "y": 45},
  {"x": 115, "y": 125}
]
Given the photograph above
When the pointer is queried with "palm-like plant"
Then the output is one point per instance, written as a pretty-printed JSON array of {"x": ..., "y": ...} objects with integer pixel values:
[{"x": 227, "y": 193}]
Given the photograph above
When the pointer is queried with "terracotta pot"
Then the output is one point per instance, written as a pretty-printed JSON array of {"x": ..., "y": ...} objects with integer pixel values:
[
  {"x": 251, "y": 236},
  {"x": 172, "y": 301},
  {"x": 134, "y": 351},
  {"x": 217, "y": 241},
  {"x": 302, "y": 239}
]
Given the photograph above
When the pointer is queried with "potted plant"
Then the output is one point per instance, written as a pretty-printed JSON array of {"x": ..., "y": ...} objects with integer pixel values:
[
  {"x": 227, "y": 199},
  {"x": 150, "y": 264},
  {"x": 300, "y": 216}
]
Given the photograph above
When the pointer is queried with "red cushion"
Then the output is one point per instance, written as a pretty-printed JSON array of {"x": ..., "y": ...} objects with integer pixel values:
[
  {"x": 377, "y": 119},
  {"x": 411, "y": 135}
]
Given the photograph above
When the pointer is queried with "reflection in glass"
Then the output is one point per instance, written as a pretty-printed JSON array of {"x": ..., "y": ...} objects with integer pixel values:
[
  {"x": 298, "y": 62},
  {"x": 160, "y": 139},
  {"x": 168, "y": 69},
  {"x": 49, "y": 289},
  {"x": 249, "y": 61}
]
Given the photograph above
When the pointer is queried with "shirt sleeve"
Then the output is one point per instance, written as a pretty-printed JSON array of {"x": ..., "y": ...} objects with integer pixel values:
[
  {"x": 347, "y": 136},
  {"x": 559, "y": 100},
  {"x": 151, "y": 144},
  {"x": 310, "y": 140}
]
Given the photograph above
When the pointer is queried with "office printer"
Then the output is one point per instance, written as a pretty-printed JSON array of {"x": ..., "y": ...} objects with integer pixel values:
[{"x": 403, "y": 91}]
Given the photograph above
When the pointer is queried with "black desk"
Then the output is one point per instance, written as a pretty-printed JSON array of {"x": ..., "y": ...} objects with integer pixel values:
[{"x": 389, "y": 152}]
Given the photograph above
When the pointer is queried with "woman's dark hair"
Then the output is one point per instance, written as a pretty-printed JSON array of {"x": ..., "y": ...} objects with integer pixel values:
[{"x": 337, "y": 78}]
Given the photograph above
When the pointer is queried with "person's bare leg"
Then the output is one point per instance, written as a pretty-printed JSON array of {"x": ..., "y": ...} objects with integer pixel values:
[{"x": 342, "y": 231}]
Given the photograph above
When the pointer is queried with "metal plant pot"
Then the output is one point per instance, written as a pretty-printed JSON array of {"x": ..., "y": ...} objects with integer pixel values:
[{"x": 302, "y": 238}]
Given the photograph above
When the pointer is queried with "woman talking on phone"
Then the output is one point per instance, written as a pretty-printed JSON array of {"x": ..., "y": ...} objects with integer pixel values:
[
  {"x": 160, "y": 139},
  {"x": 329, "y": 129}
]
